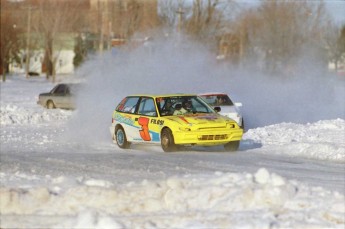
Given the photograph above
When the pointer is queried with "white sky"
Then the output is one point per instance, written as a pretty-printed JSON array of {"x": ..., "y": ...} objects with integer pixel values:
[{"x": 337, "y": 10}]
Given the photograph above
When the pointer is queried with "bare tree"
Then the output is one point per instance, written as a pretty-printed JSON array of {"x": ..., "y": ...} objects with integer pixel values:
[
  {"x": 168, "y": 12},
  {"x": 207, "y": 19},
  {"x": 10, "y": 42},
  {"x": 335, "y": 44},
  {"x": 204, "y": 20},
  {"x": 284, "y": 28},
  {"x": 56, "y": 17},
  {"x": 173, "y": 14}
]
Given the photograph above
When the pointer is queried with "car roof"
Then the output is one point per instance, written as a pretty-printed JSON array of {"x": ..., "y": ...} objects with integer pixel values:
[
  {"x": 68, "y": 84},
  {"x": 162, "y": 95},
  {"x": 213, "y": 93}
]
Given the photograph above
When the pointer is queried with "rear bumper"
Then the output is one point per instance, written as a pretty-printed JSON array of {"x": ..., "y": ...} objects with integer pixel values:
[{"x": 40, "y": 103}]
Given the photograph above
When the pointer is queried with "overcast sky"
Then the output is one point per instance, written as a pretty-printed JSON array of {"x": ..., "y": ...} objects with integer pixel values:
[{"x": 337, "y": 9}]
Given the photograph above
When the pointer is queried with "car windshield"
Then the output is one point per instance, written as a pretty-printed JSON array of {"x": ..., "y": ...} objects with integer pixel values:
[
  {"x": 217, "y": 100},
  {"x": 178, "y": 105}
]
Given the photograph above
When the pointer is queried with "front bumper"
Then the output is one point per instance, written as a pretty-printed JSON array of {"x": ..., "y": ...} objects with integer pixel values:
[{"x": 207, "y": 137}]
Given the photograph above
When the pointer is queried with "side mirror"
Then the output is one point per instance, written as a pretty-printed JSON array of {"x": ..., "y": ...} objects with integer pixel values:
[
  {"x": 238, "y": 104},
  {"x": 217, "y": 109}
]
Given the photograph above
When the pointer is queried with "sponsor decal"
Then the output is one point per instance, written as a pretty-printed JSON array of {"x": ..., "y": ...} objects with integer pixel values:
[
  {"x": 157, "y": 121},
  {"x": 122, "y": 119},
  {"x": 183, "y": 119},
  {"x": 144, "y": 132}
]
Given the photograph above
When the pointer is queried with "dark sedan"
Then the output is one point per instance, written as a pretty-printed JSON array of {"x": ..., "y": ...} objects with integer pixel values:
[{"x": 61, "y": 96}]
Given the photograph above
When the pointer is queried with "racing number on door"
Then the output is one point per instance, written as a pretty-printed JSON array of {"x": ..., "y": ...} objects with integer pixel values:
[{"x": 144, "y": 132}]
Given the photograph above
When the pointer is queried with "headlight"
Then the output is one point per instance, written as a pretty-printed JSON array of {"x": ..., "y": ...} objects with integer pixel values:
[
  {"x": 230, "y": 125},
  {"x": 184, "y": 128}
]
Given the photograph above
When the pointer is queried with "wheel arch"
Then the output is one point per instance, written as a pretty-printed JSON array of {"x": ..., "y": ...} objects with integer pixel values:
[
  {"x": 116, "y": 127},
  {"x": 50, "y": 100},
  {"x": 165, "y": 127}
]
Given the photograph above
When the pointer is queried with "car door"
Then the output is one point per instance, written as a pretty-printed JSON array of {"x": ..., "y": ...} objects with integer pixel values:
[
  {"x": 59, "y": 96},
  {"x": 146, "y": 117}
]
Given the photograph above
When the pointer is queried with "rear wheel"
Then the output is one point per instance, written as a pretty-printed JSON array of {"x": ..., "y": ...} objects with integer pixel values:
[
  {"x": 50, "y": 105},
  {"x": 167, "y": 141},
  {"x": 121, "y": 139},
  {"x": 232, "y": 146}
]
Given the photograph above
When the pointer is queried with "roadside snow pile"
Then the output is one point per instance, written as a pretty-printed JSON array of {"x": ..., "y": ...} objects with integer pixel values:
[
  {"x": 260, "y": 200},
  {"x": 12, "y": 114},
  {"x": 320, "y": 140}
]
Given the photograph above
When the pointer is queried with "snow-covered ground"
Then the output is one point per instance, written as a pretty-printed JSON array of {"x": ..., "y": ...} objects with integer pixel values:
[
  {"x": 285, "y": 175},
  {"x": 60, "y": 169}
]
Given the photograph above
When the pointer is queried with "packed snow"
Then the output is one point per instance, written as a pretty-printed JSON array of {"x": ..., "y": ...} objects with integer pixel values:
[{"x": 60, "y": 169}]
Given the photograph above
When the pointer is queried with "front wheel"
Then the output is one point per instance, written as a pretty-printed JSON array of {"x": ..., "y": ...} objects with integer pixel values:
[
  {"x": 50, "y": 105},
  {"x": 167, "y": 141},
  {"x": 232, "y": 146},
  {"x": 121, "y": 139}
]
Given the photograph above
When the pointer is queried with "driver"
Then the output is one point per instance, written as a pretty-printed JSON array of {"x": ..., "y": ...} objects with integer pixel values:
[
  {"x": 187, "y": 105},
  {"x": 179, "y": 110}
]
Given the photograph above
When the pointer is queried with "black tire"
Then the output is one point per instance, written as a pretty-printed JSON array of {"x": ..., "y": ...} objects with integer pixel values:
[
  {"x": 242, "y": 125},
  {"x": 50, "y": 104},
  {"x": 167, "y": 141},
  {"x": 232, "y": 146},
  {"x": 121, "y": 139}
]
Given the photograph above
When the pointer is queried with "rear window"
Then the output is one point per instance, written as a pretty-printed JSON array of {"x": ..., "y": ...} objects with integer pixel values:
[
  {"x": 128, "y": 105},
  {"x": 217, "y": 100}
]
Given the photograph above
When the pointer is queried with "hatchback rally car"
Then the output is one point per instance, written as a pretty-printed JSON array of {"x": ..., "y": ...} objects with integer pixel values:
[
  {"x": 223, "y": 104},
  {"x": 172, "y": 121}
]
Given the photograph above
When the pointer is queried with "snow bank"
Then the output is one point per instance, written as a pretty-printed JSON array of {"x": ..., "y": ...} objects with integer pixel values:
[
  {"x": 12, "y": 114},
  {"x": 322, "y": 140},
  {"x": 260, "y": 200}
]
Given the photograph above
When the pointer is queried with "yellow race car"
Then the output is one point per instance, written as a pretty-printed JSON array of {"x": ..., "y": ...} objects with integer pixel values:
[{"x": 172, "y": 121}]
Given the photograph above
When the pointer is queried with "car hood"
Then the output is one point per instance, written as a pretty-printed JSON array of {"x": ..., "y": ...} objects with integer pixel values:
[
  {"x": 44, "y": 94},
  {"x": 207, "y": 120}
]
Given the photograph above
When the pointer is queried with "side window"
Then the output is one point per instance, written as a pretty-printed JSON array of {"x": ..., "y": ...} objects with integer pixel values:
[
  {"x": 147, "y": 107},
  {"x": 210, "y": 99},
  {"x": 60, "y": 89},
  {"x": 199, "y": 106},
  {"x": 128, "y": 105},
  {"x": 228, "y": 101},
  {"x": 68, "y": 90}
]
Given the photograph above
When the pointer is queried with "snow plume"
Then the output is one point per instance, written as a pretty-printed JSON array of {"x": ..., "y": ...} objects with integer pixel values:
[
  {"x": 167, "y": 66},
  {"x": 180, "y": 66}
]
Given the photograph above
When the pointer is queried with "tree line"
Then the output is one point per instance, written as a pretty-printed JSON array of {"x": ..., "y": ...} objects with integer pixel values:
[{"x": 273, "y": 34}]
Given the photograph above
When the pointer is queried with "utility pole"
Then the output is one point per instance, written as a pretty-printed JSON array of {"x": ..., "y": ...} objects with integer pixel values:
[
  {"x": 104, "y": 26},
  {"x": 101, "y": 39},
  {"x": 180, "y": 12},
  {"x": 28, "y": 35}
]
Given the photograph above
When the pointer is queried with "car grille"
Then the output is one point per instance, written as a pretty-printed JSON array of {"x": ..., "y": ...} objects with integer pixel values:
[{"x": 212, "y": 137}]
